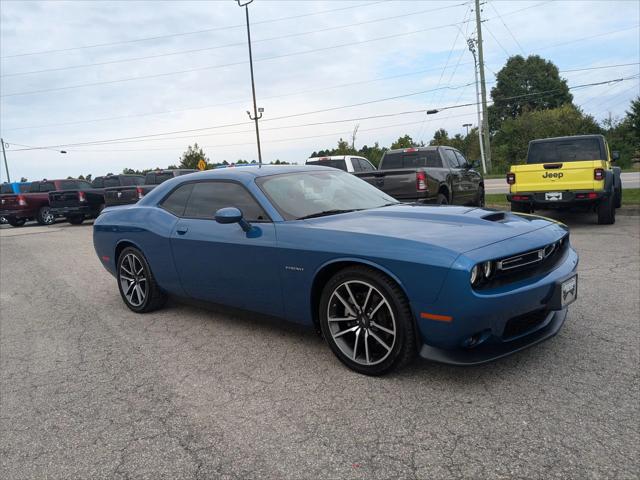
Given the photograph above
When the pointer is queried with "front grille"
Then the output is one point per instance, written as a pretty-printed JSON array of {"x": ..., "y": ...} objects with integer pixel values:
[
  {"x": 527, "y": 264},
  {"x": 522, "y": 324}
]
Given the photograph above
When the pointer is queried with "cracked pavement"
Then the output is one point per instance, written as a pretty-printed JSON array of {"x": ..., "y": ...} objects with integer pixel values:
[{"x": 89, "y": 389}]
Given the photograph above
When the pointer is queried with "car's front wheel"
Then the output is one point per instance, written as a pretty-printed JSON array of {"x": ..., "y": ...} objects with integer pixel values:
[
  {"x": 366, "y": 320},
  {"x": 136, "y": 282}
]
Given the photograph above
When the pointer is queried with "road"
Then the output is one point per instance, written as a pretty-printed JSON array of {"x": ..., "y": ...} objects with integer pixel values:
[
  {"x": 499, "y": 185},
  {"x": 91, "y": 390}
]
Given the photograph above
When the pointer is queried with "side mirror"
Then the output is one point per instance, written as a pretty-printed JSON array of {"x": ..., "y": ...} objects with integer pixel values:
[
  {"x": 232, "y": 215},
  {"x": 615, "y": 155}
]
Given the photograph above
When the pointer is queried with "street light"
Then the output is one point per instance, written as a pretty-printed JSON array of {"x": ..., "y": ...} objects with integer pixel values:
[
  {"x": 467, "y": 125},
  {"x": 255, "y": 117}
]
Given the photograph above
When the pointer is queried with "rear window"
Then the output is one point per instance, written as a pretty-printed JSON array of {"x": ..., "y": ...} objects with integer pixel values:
[
  {"x": 565, "y": 151},
  {"x": 74, "y": 185},
  {"x": 340, "y": 164},
  {"x": 162, "y": 177},
  {"x": 428, "y": 158},
  {"x": 129, "y": 181},
  {"x": 6, "y": 188}
]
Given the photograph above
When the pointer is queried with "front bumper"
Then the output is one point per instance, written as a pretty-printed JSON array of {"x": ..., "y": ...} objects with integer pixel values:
[
  {"x": 464, "y": 326},
  {"x": 72, "y": 211},
  {"x": 569, "y": 198}
]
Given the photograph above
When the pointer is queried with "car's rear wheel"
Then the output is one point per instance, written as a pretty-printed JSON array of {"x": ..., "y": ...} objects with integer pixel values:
[
  {"x": 521, "y": 207},
  {"x": 76, "y": 220},
  {"x": 136, "y": 282},
  {"x": 479, "y": 200},
  {"x": 16, "y": 222},
  {"x": 442, "y": 199},
  {"x": 366, "y": 320},
  {"x": 45, "y": 217},
  {"x": 606, "y": 210}
]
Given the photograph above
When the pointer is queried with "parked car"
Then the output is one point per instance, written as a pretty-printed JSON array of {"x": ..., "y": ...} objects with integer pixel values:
[
  {"x": 382, "y": 280},
  {"x": 346, "y": 163},
  {"x": 438, "y": 175},
  {"x": 127, "y": 194},
  {"x": 34, "y": 204},
  {"x": 87, "y": 200},
  {"x": 566, "y": 172},
  {"x": 10, "y": 188}
]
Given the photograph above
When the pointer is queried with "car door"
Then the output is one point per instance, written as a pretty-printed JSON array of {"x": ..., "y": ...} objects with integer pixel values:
[
  {"x": 221, "y": 263},
  {"x": 471, "y": 177},
  {"x": 457, "y": 177}
]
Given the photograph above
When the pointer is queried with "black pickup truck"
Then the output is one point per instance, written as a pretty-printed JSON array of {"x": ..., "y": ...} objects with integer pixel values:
[
  {"x": 438, "y": 175},
  {"x": 88, "y": 200},
  {"x": 125, "y": 195}
]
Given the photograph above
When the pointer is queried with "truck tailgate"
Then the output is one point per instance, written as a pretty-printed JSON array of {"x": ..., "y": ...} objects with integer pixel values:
[
  {"x": 64, "y": 198},
  {"x": 120, "y": 195},
  {"x": 549, "y": 177}
]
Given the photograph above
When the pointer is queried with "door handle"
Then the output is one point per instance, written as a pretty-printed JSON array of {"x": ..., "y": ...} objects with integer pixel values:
[{"x": 182, "y": 229}]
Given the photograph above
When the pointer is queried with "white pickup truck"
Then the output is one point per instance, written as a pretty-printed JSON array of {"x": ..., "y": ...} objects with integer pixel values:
[{"x": 347, "y": 163}]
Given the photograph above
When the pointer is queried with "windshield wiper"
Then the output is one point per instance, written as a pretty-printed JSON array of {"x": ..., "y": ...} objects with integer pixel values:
[{"x": 328, "y": 212}]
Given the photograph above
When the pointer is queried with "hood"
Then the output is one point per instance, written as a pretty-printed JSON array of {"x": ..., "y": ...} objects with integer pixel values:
[{"x": 460, "y": 229}]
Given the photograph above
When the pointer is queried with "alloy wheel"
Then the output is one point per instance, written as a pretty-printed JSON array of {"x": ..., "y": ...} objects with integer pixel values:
[
  {"x": 47, "y": 217},
  {"x": 361, "y": 322},
  {"x": 133, "y": 280}
]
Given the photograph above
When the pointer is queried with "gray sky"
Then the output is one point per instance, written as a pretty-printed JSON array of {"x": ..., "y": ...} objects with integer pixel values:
[{"x": 195, "y": 73}]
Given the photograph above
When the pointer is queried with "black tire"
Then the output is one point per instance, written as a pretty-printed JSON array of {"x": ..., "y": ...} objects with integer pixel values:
[
  {"x": 45, "y": 217},
  {"x": 521, "y": 207},
  {"x": 16, "y": 222},
  {"x": 618, "y": 202},
  {"x": 394, "y": 315},
  {"x": 76, "y": 220},
  {"x": 606, "y": 210},
  {"x": 442, "y": 199},
  {"x": 153, "y": 297},
  {"x": 479, "y": 201}
]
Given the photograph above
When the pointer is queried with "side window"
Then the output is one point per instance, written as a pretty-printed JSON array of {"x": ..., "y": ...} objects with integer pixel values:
[
  {"x": 47, "y": 187},
  {"x": 208, "y": 197},
  {"x": 450, "y": 158},
  {"x": 98, "y": 182},
  {"x": 365, "y": 165},
  {"x": 176, "y": 202},
  {"x": 357, "y": 167},
  {"x": 461, "y": 160}
]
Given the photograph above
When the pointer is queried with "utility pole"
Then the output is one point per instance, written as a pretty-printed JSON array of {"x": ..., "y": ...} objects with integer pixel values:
[
  {"x": 483, "y": 88},
  {"x": 256, "y": 110},
  {"x": 472, "y": 49},
  {"x": 6, "y": 166}
]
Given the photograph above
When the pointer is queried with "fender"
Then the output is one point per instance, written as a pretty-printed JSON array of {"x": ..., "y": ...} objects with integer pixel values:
[{"x": 609, "y": 181}]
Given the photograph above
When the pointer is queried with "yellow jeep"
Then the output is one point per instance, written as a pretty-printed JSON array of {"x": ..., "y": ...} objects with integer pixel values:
[{"x": 565, "y": 172}]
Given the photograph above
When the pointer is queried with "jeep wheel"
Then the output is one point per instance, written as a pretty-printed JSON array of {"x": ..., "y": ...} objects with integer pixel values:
[
  {"x": 618, "y": 197},
  {"x": 16, "y": 222},
  {"x": 520, "y": 207},
  {"x": 607, "y": 211}
]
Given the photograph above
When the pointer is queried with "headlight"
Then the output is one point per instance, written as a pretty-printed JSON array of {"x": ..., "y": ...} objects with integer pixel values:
[
  {"x": 487, "y": 267},
  {"x": 475, "y": 275}
]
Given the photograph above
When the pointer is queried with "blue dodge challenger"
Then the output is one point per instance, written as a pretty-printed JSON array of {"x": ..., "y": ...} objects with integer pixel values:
[{"x": 383, "y": 281}]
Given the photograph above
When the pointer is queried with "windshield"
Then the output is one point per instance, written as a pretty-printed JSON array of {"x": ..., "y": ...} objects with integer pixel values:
[
  {"x": 298, "y": 195},
  {"x": 6, "y": 188},
  {"x": 340, "y": 164},
  {"x": 74, "y": 185},
  {"x": 573, "y": 150}
]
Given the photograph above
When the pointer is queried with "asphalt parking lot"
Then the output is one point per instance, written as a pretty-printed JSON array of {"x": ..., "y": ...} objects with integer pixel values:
[{"x": 92, "y": 390}]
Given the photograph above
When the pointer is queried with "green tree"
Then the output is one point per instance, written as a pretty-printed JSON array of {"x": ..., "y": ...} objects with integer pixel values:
[
  {"x": 525, "y": 79},
  {"x": 510, "y": 143},
  {"x": 404, "y": 142},
  {"x": 441, "y": 137},
  {"x": 192, "y": 156},
  {"x": 623, "y": 135}
]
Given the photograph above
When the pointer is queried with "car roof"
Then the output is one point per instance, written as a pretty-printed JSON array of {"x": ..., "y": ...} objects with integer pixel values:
[
  {"x": 568, "y": 138},
  {"x": 254, "y": 171},
  {"x": 416, "y": 149}
]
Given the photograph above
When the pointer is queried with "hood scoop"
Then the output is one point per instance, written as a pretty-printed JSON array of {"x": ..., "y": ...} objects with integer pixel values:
[{"x": 495, "y": 217}]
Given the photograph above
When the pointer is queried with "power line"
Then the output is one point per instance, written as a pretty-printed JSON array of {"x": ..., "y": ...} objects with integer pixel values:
[
  {"x": 486, "y": 27},
  {"x": 181, "y": 52},
  {"x": 211, "y": 67},
  {"x": 193, "y": 32},
  {"x": 98, "y": 142},
  {"x": 508, "y": 29}
]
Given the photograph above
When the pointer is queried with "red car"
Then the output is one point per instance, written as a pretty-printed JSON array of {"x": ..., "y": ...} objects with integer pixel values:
[{"x": 34, "y": 204}]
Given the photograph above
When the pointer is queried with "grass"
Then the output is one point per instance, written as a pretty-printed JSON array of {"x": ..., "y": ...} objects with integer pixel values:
[{"x": 630, "y": 196}]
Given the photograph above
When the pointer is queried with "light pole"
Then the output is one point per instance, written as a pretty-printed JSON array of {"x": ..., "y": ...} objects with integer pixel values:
[
  {"x": 6, "y": 166},
  {"x": 467, "y": 125},
  {"x": 255, "y": 117}
]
